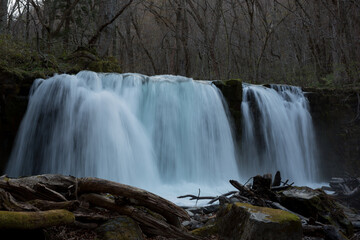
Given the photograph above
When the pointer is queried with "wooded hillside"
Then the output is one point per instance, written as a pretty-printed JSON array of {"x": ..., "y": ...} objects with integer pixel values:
[{"x": 294, "y": 41}]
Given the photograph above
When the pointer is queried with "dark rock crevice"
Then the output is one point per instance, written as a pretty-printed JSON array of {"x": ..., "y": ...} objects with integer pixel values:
[{"x": 335, "y": 114}]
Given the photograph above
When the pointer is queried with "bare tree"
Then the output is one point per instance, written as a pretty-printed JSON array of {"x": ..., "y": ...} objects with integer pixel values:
[{"x": 3, "y": 15}]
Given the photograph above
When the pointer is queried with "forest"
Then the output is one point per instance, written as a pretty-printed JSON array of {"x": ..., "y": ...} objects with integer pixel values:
[{"x": 300, "y": 42}]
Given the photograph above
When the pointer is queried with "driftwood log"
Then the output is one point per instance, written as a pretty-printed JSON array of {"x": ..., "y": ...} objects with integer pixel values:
[
  {"x": 42, "y": 201},
  {"x": 137, "y": 196},
  {"x": 151, "y": 225}
]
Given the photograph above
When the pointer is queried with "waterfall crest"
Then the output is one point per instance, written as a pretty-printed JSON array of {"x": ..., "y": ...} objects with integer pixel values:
[
  {"x": 278, "y": 133},
  {"x": 129, "y": 128}
]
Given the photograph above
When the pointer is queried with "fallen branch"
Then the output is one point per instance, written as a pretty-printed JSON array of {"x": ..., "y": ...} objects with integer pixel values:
[
  {"x": 243, "y": 190},
  {"x": 8, "y": 202},
  {"x": 193, "y": 197},
  {"x": 50, "y": 205},
  {"x": 137, "y": 196},
  {"x": 148, "y": 223},
  {"x": 223, "y": 195}
]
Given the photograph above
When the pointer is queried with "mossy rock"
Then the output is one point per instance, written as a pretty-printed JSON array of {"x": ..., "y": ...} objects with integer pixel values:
[
  {"x": 121, "y": 228},
  {"x": 106, "y": 65},
  {"x": 233, "y": 82},
  {"x": 206, "y": 231},
  {"x": 316, "y": 204},
  {"x": 232, "y": 91},
  {"x": 245, "y": 221},
  {"x": 34, "y": 220}
]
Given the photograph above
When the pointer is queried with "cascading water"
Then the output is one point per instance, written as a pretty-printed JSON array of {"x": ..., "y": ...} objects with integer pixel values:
[
  {"x": 163, "y": 132},
  {"x": 278, "y": 133},
  {"x": 139, "y": 130}
]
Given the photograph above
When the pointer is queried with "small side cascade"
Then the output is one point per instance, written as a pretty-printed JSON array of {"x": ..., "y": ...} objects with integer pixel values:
[{"x": 278, "y": 133}]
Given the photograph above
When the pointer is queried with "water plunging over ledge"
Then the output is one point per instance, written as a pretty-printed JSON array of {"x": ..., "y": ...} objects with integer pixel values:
[
  {"x": 130, "y": 128},
  {"x": 278, "y": 133},
  {"x": 167, "y": 134}
]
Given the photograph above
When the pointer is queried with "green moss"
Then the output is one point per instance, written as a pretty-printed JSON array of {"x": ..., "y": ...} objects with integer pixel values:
[
  {"x": 245, "y": 221},
  {"x": 20, "y": 63},
  {"x": 35, "y": 220},
  {"x": 205, "y": 231},
  {"x": 273, "y": 215},
  {"x": 105, "y": 65}
]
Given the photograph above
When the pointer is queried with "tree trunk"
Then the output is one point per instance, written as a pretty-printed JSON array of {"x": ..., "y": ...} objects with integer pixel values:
[
  {"x": 107, "y": 12},
  {"x": 3, "y": 15},
  {"x": 149, "y": 224},
  {"x": 141, "y": 197}
]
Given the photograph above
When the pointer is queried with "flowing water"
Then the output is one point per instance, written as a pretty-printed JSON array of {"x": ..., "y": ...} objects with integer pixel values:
[
  {"x": 278, "y": 133},
  {"x": 167, "y": 134},
  {"x": 145, "y": 131}
]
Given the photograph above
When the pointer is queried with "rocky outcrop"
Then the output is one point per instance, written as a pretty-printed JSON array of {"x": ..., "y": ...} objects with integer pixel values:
[
  {"x": 315, "y": 204},
  {"x": 244, "y": 222},
  {"x": 13, "y": 104},
  {"x": 336, "y": 116},
  {"x": 232, "y": 92}
]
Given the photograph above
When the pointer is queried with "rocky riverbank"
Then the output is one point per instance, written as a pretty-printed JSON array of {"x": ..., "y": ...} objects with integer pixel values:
[{"x": 64, "y": 207}]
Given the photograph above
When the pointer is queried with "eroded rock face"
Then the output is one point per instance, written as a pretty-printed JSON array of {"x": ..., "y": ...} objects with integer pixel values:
[
  {"x": 13, "y": 103},
  {"x": 232, "y": 91},
  {"x": 317, "y": 205},
  {"x": 121, "y": 228},
  {"x": 336, "y": 118},
  {"x": 247, "y": 222}
]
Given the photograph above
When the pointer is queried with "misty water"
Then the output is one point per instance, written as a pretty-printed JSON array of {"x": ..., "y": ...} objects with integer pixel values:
[
  {"x": 278, "y": 133},
  {"x": 167, "y": 134}
]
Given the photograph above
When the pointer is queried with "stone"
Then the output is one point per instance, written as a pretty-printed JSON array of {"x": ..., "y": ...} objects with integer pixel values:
[
  {"x": 316, "y": 204},
  {"x": 277, "y": 179},
  {"x": 190, "y": 213},
  {"x": 121, "y": 228},
  {"x": 243, "y": 221},
  {"x": 232, "y": 92},
  {"x": 262, "y": 183},
  {"x": 211, "y": 209}
]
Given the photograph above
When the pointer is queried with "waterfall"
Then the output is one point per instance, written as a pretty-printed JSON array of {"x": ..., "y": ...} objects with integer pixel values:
[
  {"x": 277, "y": 133},
  {"x": 129, "y": 128},
  {"x": 162, "y": 132}
]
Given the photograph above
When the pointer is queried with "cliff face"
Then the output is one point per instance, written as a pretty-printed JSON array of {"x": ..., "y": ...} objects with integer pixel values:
[
  {"x": 232, "y": 92},
  {"x": 13, "y": 103},
  {"x": 336, "y": 116}
]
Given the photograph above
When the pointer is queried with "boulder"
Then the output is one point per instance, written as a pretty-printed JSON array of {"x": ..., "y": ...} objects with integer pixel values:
[
  {"x": 277, "y": 179},
  {"x": 316, "y": 204},
  {"x": 121, "y": 228},
  {"x": 243, "y": 221},
  {"x": 232, "y": 92}
]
